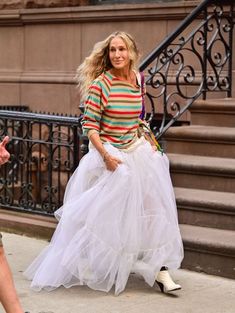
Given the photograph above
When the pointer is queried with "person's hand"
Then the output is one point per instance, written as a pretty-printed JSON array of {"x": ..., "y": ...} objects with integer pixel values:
[
  {"x": 111, "y": 162},
  {"x": 4, "y": 154}
]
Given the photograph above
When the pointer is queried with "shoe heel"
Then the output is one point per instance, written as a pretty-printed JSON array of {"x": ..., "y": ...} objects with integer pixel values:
[{"x": 161, "y": 286}]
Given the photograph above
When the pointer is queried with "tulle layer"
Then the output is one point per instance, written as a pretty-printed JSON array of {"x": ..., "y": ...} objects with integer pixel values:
[{"x": 112, "y": 224}]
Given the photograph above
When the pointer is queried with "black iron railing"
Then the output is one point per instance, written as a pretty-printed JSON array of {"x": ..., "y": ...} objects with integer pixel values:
[
  {"x": 45, "y": 150},
  {"x": 194, "y": 60}
]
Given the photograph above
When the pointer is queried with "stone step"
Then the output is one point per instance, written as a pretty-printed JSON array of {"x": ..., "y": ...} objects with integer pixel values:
[
  {"x": 201, "y": 140},
  {"x": 27, "y": 224},
  {"x": 209, "y": 250},
  {"x": 206, "y": 208},
  {"x": 214, "y": 112},
  {"x": 199, "y": 172}
]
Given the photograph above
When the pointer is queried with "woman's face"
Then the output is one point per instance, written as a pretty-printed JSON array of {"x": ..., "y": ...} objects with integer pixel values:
[{"x": 119, "y": 54}]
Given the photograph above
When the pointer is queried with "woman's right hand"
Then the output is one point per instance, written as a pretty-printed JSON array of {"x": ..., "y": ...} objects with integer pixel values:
[{"x": 111, "y": 162}]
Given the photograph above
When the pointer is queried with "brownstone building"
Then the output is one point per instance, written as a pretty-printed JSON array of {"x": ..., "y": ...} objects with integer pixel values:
[{"x": 42, "y": 43}]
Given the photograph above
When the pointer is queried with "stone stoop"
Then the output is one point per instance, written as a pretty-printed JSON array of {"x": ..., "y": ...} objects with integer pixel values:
[
  {"x": 209, "y": 250},
  {"x": 202, "y": 163},
  {"x": 206, "y": 208},
  {"x": 214, "y": 112},
  {"x": 201, "y": 140},
  {"x": 199, "y": 172},
  {"x": 27, "y": 224}
]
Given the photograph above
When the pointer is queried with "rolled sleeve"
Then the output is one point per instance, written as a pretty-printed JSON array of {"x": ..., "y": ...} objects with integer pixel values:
[{"x": 93, "y": 109}]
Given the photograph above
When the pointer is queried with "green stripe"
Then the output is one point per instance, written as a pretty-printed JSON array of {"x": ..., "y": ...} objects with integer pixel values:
[
  {"x": 94, "y": 99},
  {"x": 118, "y": 89},
  {"x": 106, "y": 88},
  {"x": 130, "y": 107},
  {"x": 111, "y": 122},
  {"x": 92, "y": 115},
  {"x": 125, "y": 137},
  {"x": 109, "y": 75}
]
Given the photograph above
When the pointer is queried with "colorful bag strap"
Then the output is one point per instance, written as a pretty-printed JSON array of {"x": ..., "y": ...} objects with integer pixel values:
[
  {"x": 148, "y": 131},
  {"x": 142, "y": 114},
  {"x": 142, "y": 121}
]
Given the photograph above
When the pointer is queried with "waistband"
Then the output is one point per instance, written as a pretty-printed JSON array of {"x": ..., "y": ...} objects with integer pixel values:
[
  {"x": 130, "y": 148},
  {"x": 134, "y": 145}
]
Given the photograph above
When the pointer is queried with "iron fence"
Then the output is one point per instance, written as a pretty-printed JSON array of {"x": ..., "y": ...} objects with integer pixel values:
[{"x": 45, "y": 149}]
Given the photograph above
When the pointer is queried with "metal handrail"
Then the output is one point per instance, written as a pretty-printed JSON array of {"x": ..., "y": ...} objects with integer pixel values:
[
  {"x": 214, "y": 72},
  {"x": 163, "y": 45}
]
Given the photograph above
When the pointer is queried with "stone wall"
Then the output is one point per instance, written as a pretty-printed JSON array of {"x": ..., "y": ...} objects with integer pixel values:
[
  {"x": 40, "y": 49},
  {"x": 29, "y": 4}
]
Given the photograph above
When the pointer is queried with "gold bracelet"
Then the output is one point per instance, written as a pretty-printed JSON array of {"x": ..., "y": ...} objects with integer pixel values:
[{"x": 104, "y": 156}]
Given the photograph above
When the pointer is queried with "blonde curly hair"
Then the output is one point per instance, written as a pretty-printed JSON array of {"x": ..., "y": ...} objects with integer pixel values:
[{"x": 98, "y": 61}]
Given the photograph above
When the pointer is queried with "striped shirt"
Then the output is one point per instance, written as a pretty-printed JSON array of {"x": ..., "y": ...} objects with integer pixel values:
[{"x": 112, "y": 109}]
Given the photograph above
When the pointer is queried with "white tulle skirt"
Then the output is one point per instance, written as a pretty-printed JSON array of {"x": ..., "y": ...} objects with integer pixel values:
[{"x": 112, "y": 224}]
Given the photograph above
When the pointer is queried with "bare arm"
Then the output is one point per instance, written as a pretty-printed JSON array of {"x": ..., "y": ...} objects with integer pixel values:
[
  {"x": 111, "y": 162},
  {"x": 8, "y": 295}
]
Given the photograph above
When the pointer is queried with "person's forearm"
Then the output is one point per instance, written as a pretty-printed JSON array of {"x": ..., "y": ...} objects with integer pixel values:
[
  {"x": 110, "y": 161},
  {"x": 8, "y": 295},
  {"x": 97, "y": 143}
]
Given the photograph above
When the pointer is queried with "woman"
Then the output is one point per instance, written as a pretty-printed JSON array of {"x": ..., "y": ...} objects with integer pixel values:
[{"x": 119, "y": 214}]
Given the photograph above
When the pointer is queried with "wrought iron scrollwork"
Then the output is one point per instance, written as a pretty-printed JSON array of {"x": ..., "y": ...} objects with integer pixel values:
[
  {"x": 45, "y": 150},
  {"x": 190, "y": 63}
]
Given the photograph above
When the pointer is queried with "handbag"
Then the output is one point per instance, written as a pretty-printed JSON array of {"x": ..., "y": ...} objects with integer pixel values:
[{"x": 144, "y": 128}]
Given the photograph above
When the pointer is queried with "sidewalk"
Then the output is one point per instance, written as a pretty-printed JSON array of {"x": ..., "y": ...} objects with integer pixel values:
[{"x": 201, "y": 293}]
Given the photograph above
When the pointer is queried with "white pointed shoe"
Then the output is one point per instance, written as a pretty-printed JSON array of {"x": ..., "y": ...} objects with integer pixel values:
[{"x": 165, "y": 282}]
